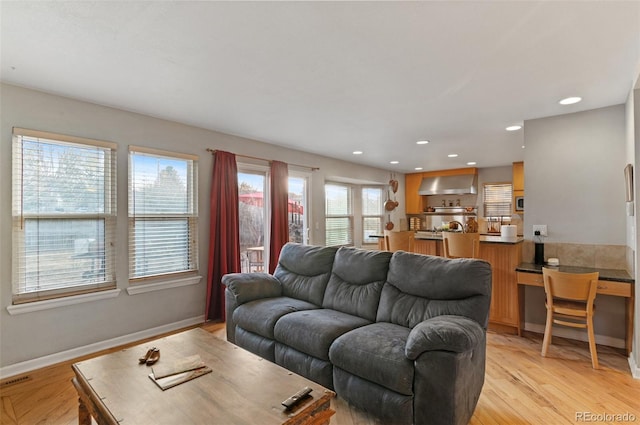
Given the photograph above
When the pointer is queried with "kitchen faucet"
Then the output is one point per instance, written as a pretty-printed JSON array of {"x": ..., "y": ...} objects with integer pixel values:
[{"x": 461, "y": 225}]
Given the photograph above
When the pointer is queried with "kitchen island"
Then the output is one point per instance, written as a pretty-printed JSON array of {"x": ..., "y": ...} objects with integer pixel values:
[{"x": 504, "y": 255}]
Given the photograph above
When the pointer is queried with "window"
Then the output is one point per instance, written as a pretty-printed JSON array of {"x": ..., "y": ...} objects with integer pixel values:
[
  {"x": 163, "y": 218},
  {"x": 497, "y": 200},
  {"x": 64, "y": 214},
  {"x": 297, "y": 209},
  {"x": 252, "y": 204},
  {"x": 372, "y": 214},
  {"x": 339, "y": 215}
]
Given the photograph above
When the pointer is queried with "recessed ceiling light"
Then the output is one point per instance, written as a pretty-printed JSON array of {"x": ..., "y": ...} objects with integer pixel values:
[
  {"x": 452, "y": 155},
  {"x": 513, "y": 127},
  {"x": 422, "y": 142},
  {"x": 357, "y": 152},
  {"x": 394, "y": 162},
  {"x": 570, "y": 100},
  {"x": 471, "y": 163},
  {"x": 418, "y": 168}
]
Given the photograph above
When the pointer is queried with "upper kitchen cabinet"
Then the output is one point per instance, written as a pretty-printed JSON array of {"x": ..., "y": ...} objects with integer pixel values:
[
  {"x": 412, "y": 200},
  {"x": 439, "y": 183},
  {"x": 518, "y": 187}
]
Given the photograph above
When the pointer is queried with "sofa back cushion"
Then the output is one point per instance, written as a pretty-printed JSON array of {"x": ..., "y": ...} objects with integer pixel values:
[
  {"x": 356, "y": 282},
  {"x": 304, "y": 271},
  {"x": 419, "y": 287}
]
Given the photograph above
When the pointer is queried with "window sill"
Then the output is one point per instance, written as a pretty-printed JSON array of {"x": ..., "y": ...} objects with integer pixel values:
[
  {"x": 61, "y": 302},
  {"x": 159, "y": 286}
]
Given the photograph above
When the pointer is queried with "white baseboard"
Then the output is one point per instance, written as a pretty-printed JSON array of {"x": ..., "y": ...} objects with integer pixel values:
[
  {"x": 635, "y": 367},
  {"x": 576, "y": 334},
  {"x": 30, "y": 365}
]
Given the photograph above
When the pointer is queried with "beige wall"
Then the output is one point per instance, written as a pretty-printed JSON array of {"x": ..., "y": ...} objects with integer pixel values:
[
  {"x": 574, "y": 183},
  {"x": 72, "y": 329},
  {"x": 633, "y": 156}
]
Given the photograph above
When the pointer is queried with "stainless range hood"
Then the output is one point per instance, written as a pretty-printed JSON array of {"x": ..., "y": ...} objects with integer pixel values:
[{"x": 463, "y": 184}]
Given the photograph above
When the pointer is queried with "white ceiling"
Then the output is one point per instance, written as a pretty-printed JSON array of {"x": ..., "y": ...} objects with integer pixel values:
[{"x": 334, "y": 77}]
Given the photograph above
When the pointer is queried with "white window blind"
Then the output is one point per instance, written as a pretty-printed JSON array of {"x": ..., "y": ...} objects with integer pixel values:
[
  {"x": 497, "y": 199},
  {"x": 163, "y": 215},
  {"x": 64, "y": 212},
  {"x": 338, "y": 213},
  {"x": 372, "y": 213}
]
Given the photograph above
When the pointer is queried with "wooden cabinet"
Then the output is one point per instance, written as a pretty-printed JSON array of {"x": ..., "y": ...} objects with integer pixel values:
[
  {"x": 504, "y": 258},
  {"x": 415, "y": 203},
  {"x": 426, "y": 246},
  {"x": 518, "y": 176},
  {"x": 412, "y": 200},
  {"x": 518, "y": 183}
]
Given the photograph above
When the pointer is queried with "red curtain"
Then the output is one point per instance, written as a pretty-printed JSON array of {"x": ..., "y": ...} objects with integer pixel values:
[
  {"x": 279, "y": 219},
  {"x": 224, "y": 239}
]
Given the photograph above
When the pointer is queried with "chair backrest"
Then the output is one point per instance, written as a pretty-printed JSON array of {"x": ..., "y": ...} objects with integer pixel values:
[
  {"x": 399, "y": 241},
  {"x": 570, "y": 286},
  {"x": 461, "y": 245}
]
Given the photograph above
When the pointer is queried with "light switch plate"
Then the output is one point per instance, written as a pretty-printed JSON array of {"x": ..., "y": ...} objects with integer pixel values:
[{"x": 540, "y": 227}]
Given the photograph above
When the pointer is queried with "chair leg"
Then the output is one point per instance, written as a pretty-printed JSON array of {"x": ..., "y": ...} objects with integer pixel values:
[
  {"x": 592, "y": 343},
  {"x": 547, "y": 333}
]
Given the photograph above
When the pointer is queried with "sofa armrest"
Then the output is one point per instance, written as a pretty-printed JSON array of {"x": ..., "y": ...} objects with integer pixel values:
[
  {"x": 247, "y": 287},
  {"x": 447, "y": 333}
]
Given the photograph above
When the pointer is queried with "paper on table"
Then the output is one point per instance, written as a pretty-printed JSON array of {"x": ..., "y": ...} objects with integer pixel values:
[
  {"x": 168, "y": 368},
  {"x": 176, "y": 379}
]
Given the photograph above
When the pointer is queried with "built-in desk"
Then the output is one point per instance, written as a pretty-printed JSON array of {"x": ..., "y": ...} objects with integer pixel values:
[{"x": 611, "y": 282}]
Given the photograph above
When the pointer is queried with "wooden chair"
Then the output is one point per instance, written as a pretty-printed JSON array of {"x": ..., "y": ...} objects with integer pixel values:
[
  {"x": 461, "y": 245},
  {"x": 570, "y": 297},
  {"x": 399, "y": 241}
]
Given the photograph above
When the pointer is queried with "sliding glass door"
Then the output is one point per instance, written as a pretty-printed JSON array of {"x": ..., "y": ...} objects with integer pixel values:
[
  {"x": 252, "y": 212},
  {"x": 297, "y": 209}
]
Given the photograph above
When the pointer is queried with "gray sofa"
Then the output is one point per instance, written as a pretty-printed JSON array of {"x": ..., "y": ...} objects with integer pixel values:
[{"x": 401, "y": 336}]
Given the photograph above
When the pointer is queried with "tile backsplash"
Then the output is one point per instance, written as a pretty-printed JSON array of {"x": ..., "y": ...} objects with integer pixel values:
[{"x": 584, "y": 255}]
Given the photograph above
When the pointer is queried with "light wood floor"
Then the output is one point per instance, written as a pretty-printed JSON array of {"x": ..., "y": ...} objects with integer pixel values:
[{"x": 521, "y": 387}]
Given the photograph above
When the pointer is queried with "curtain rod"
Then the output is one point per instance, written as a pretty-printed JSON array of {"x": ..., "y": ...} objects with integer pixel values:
[{"x": 213, "y": 151}]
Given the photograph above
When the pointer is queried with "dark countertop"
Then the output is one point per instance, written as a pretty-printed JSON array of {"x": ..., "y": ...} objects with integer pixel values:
[
  {"x": 605, "y": 274},
  {"x": 422, "y": 235}
]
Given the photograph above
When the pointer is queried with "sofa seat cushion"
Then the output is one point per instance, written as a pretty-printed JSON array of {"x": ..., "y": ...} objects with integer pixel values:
[
  {"x": 320, "y": 371},
  {"x": 260, "y": 316},
  {"x": 376, "y": 353},
  {"x": 257, "y": 344},
  {"x": 388, "y": 407},
  {"x": 313, "y": 331}
]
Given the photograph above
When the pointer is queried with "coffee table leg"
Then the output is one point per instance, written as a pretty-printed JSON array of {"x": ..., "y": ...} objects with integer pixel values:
[{"x": 84, "y": 417}]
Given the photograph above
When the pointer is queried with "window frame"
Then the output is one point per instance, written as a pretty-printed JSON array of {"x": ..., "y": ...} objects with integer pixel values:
[
  {"x": 349, "y": 215},
  {"x": 505, "y": 207},
  {"x": 265, "y": 173},
  {"x": 306, "y": 205},
  {"x": 191, "y": 217},
  {"x": 380, "y": 216},
  {"x": 106, "y": 185}
]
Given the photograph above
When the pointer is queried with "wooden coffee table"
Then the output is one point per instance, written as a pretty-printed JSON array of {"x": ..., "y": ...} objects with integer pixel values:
[{"x": 242, "y": 389}]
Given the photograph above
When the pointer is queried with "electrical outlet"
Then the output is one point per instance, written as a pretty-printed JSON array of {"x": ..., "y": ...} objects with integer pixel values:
[{"x": 542, "y": 228}]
